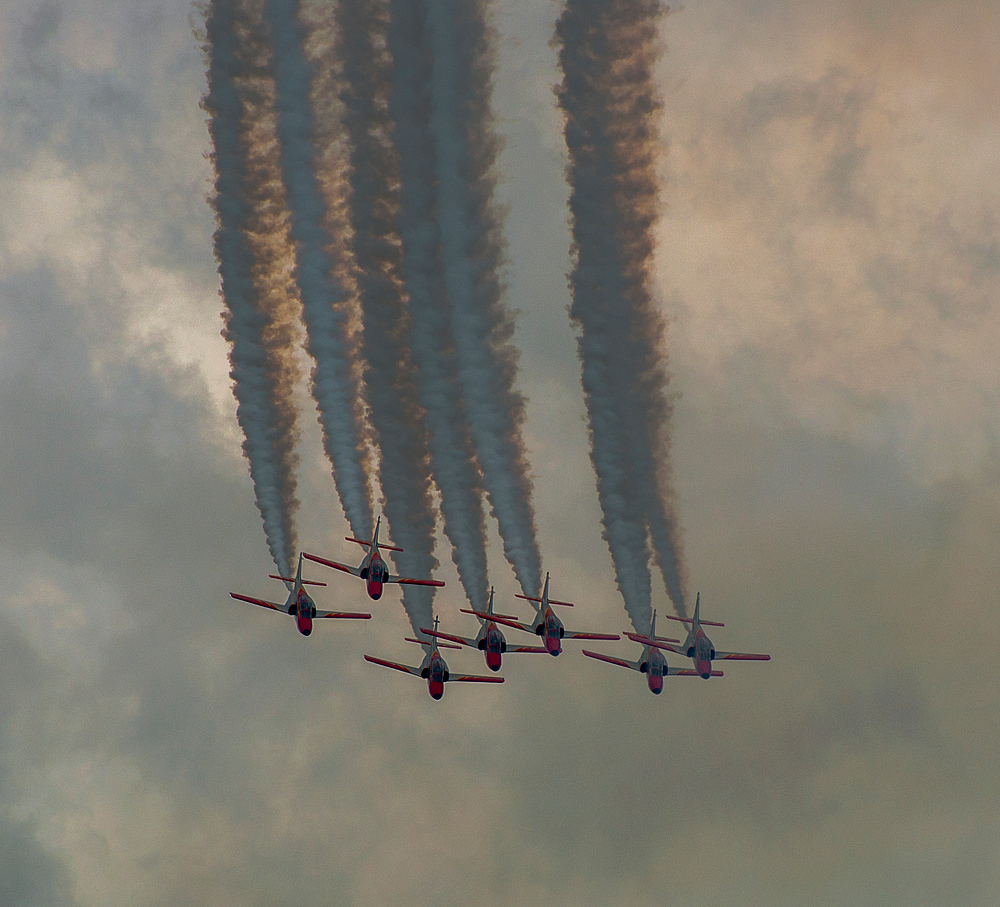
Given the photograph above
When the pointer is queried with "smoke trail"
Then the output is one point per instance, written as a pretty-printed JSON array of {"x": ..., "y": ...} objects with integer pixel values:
[
  {"x": 322, "y": 269},
  {"x": 608, "y": 50},
  {"x": 251, "y": 248},
  {"x": 398, "y": 418},
  {"x": 472, "y": 251},
  {"x": 453, "y": 457}
]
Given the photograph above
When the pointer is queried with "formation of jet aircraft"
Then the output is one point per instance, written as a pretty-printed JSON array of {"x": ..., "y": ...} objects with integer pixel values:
[{"x": 490, "y": 640}]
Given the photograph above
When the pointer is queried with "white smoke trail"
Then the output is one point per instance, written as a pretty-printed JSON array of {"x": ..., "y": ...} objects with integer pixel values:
[
  {"x": 472, "y": 251},
  {"x": 453, "y": 457},
  {"x": 608, "y": 49},
  {"x": 251, "y": 248},
  {"x": 322, "y": 269},
  {"x": 398, "y": 419}
]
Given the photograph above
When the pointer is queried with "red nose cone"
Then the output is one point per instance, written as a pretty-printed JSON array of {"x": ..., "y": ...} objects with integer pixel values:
[
  {"x": 305, "y": 625},
  {"x": 437, "y": 689},
  {"x": 704, "y": 668},
  {"x": 553, "y": 645},
  {"x": 655, "y": 683},
  {"x": 374, "y": 590},
  {"x": 493, "y": 661}
]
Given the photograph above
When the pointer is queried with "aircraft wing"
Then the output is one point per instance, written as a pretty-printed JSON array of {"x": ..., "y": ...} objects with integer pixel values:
[
  {"x": 527, "y": 649},
  {"x": 461, "y": 640},
  {"x": 344, "y": 615},
  {"x": 259, "y": 601},
  {"x": 740, "y": 656},
  {"x": 646, "y": 641},
  {"x": 354, "y": 571},
  {"x": 473, "y": 678},
  {"x": 406, "y": 669},
  {"x": 689, "y": 672},
  {"x": 614, "y": 661},
  {"x": 506, "y": 621},
  {"x": 661, "y": 645},
  {"x": 576, "y": 634},
  {"x": 403, "y": 581}
]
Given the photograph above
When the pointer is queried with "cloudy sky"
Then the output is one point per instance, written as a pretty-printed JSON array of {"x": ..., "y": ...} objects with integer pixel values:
[{"x": 829, "y": 262}]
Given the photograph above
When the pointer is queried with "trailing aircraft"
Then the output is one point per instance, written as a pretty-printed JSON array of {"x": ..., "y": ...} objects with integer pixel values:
[
  {"x": 299, "y": 604},
  {"x": 545, "y": 624},
  {"x": 698, "y": 647},
  {"x": 373, "y": 569},
  {"x": 434, "y": 669},
  {"x": 490, "y": 641},
  {"x": 651, "y": 662}
]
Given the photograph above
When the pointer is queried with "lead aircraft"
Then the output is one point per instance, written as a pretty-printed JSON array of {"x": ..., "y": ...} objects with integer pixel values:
[
  {"x": 299, "y": 604},
  {"x": 373, "y": 569},
  {"x": 698, "y": 647},
  {"x": 545, "y": 624},
  {"x": 651, "y": 662},
  {"x": 490, "y": 641},
  {"x": 434, "y": 669}
]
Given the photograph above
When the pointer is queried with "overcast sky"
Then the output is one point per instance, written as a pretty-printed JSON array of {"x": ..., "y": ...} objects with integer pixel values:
[{"x": 830, "y": 265}]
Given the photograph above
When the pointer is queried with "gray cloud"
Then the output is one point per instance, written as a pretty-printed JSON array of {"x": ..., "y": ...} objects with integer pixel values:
[{"x": 163, "y": 744}]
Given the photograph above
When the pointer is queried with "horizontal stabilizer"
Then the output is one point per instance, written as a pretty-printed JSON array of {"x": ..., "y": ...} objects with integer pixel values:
[
  {"x": 646, "y": 641},
  {"x": 291, "y": 579},
  {"x": 688, "y": 620},
  {"x": 368, "y": 544},
  {"x": 552, "y": 601},
  {"x": 441, "y": 645}
]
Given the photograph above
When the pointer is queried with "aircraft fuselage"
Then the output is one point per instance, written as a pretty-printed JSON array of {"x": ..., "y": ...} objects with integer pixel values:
[
  {"x": 493, "y": 645},
  {"x": 550, "y": 628},
  {"x": 304, "y": 609}
]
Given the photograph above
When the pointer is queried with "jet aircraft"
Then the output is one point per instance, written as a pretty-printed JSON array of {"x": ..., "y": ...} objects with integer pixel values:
[
  {"x": 434, "y": 669},
  {"x": 490, "y": 641},
  {"x": 651, "y": 662},
  {"x": 545, "y": 624},
  {"x": 373, "y": 570},
  {"x": 299, "y": 604},
  {"x": 698, "y": 647}
]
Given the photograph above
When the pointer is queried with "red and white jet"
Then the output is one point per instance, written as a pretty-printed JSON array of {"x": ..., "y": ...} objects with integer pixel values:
[
  {"x": 434, "y": 669},
  {"x": 651, "y": 662},
  {"x": 299, "y": 604},
  {"x": 373, "y": 569},
  {"x": 545, "y": 624},
  {"x": 698, "y": 647},
  {"x": 490, "y": 641}
]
